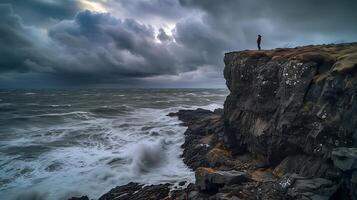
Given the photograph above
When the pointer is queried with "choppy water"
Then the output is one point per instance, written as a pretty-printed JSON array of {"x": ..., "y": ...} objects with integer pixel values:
[{"x": 59, "y": 143}]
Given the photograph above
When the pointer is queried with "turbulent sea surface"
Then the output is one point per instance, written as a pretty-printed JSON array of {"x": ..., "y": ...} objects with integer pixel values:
[{"x": 55, "y": 144}]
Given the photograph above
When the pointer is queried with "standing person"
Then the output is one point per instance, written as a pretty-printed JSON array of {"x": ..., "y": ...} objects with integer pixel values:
[{"x": 259, "y": 40}]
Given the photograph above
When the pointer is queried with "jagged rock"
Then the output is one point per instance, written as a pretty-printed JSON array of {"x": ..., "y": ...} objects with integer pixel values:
[
  {"x": 201, "y": 135},
  {"x": 345, "y": 158},
  {"x": 208, "y": 179},
  {"x": 136, "y": 191},
  {"x": 307, "y": 166},
  {"x": 317, "y": 188},
  {"x": 291, "y": 101},
  {"x": 300, "y": 187},
  {"x": 190, "y": 116}
]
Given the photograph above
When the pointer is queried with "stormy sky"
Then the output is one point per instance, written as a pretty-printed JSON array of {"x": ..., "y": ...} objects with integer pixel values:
[{"x": 153, "y": 43}]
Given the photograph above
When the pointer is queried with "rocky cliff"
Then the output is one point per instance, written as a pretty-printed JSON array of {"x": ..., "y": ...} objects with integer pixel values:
[
  {"x": 287, "y": 131},
  {"x": 292, "y": 101},
  {"x": 296, "y": 109}
]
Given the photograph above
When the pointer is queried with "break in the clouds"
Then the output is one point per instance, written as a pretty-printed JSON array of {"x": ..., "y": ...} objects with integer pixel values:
[{"x": 153, "y": 43}]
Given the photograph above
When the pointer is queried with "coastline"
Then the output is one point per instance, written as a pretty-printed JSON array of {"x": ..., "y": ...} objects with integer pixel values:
[{"x": 287, "y": 130}]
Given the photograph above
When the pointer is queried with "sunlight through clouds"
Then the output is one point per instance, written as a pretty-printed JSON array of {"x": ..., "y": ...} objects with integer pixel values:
[{"x": 92, "y": 5}]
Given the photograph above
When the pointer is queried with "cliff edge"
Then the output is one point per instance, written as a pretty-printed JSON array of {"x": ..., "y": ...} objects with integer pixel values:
[
  {"x": 292, "y": 101},
  {"x": 296, "y": 109}
]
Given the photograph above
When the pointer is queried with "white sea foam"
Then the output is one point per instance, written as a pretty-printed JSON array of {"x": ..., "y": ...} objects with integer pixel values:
[
  {"x": 65, "y": 105},
  {"x": 62, "y": 114},
  {"x": 88, "y": 155},
  {"x": 75, "y": 114},
  {"x": 139, "y": 157}
]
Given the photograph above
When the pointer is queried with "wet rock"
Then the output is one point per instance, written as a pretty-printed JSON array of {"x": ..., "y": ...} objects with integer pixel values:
[
  {"x": 208, "y": 179},
  {"x": 182, "y": 183},
  {"x": 201, "y": 135},
  {"x": 136, "y": 191},
  {"x": 191, "y": 116},
  {"x": 345, "y": 158}
]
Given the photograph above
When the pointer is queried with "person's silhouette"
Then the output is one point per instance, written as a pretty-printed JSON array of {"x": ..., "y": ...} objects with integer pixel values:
[{"x": 259, "y": 40}]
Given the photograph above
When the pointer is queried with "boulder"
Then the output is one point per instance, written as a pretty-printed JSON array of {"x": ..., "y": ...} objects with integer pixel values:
[
  {"x": 208, "y": 179},
  {"x": 299, "y": 187}
]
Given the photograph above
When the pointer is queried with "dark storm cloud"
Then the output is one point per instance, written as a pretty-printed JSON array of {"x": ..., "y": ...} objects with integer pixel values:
[
  {"x": 206, "y": 44},
  {"x": 17, "y": 42},
  {"x": 44, "y": 12},
  {"x": 93, "y": 48},
  {"x": 105, "y": 44},
  {"x": 283, "y": 22},
  {"x": 303, "y": 11},
  {"x": 9, "y": 25},
  {"x": 155, "y": 41}
]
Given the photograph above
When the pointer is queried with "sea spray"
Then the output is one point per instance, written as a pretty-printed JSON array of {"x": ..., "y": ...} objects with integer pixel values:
[{"x": 147, "y": 155}]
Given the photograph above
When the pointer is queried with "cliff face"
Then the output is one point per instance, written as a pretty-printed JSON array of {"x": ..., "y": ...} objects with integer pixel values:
[{"x": 291, "y": 101}]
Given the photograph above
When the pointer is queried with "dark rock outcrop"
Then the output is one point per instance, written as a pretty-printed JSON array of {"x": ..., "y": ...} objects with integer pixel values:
[
  {"x": 291, "y": 101},
  {"x": 296, "y": 109},
  {"x": 134, "y": 191},
  {"x": 201, "y": 136},
  {"x": 208, "y": 179},
  {"x": 299, "y": 187}
]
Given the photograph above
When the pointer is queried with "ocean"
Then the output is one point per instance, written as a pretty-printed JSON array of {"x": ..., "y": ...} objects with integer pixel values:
[{"x": 56, "y": 144}]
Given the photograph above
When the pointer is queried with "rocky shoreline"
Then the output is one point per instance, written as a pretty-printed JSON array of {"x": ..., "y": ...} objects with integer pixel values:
[{"x": 288, "y": 130}]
